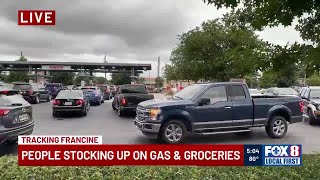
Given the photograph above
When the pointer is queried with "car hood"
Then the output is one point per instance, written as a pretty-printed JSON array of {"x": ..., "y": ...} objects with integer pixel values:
[
  {"x": 316, "y": 101},
  {"x": 164, "y": 103}
]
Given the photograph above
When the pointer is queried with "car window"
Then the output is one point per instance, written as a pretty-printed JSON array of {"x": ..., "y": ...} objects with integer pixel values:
[
  {"x": 302, "y": 92},
  {"x": 306, "y": 93},
  {"x": 13, "y": 99},
  {"x": 21, "y": 86},
  {"x": 70, "y": 94},
  {"x": 237, "y": 93},
  {"x": 216, "y": 94}
]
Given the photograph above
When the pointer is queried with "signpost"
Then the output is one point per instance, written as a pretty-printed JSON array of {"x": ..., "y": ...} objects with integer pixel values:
[{"x": 55, "y": 67}]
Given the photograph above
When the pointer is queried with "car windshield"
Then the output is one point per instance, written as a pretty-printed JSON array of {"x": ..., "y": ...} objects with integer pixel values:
[
  {"x": 69, "y": 94},
  {"x": 287, "y": 91},
  {"x": 90, "y": 91},
  {"x": 254, "y": 91},
  {"x": 21, "y": 86},
  {"x": 189, "y": 92},
  {"x": 103, "y": 87},
  {"x": 133, "y": 89},
  {"x": 315, "y": 94},
  {"x": 10, "y": 100}
]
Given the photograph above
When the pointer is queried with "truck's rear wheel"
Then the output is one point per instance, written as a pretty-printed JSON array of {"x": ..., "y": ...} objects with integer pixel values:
[
  {"x": 277, "y": 127},
  {"x": 173, "y": 132},
  {"x": 312, "y": 119}
]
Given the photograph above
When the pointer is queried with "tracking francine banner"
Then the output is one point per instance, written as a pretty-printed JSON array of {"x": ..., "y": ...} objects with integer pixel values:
[{"x": 89, "y": 151}]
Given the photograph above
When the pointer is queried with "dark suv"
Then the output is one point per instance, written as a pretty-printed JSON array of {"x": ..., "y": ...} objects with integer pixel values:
[
  {"x": 54, "y": 88},
  {"x": 107, "y": 94},
  {"x": 311, "y": 103},
  {"x": 15, "y": 116},
  {"x": 31, "y": 92}
]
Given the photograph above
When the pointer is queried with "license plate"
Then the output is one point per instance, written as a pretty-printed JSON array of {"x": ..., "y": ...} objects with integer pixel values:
[
  {"x": 23, "y": 117},
  {"x": 68, "y": 103}
]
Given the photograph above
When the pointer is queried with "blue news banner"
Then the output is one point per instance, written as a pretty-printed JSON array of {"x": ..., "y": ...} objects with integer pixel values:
[{"x": 273, "y": 155}]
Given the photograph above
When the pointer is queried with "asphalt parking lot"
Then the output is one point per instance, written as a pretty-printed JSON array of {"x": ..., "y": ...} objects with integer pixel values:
[{"x": 102, "y": 120}]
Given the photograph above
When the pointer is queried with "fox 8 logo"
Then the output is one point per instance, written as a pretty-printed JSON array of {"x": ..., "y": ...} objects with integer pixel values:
[{"x": 292, "y": 150}]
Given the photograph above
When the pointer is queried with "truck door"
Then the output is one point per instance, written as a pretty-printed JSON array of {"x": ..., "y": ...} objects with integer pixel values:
[
  {"x": 242, "y": 106},
  {"x": 217, "y": 114}
]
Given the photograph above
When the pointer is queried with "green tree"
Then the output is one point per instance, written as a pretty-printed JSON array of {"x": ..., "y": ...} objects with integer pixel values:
[
  {"x": 65, "y": 78},
  {"x": 260, "y": 14},
  {"x": 120, "y": 78},
  {"x": 313, "y": 80},
  {"x": 18, "y": 75},
  {"x": 159, "y": 82},
  {"x": 141, "y": 80},
  {"x": 218, "y": 50},
  {"x": 267, "y": 80},
  {"x": 99, "y": 80}
]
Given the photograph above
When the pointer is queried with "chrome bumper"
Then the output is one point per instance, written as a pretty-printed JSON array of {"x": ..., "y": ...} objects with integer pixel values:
[{"x": 147, "y": 127}]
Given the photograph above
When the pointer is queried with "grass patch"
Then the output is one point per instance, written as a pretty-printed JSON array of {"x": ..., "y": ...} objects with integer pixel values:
[{"x": 309, "y": 170}]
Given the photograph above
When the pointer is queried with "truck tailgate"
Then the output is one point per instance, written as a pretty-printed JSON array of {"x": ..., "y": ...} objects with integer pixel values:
[{"x": 134, "y": 99}]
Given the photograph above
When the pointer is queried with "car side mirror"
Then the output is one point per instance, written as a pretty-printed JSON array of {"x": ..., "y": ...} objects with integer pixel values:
[{"x": 204, "y": 101}]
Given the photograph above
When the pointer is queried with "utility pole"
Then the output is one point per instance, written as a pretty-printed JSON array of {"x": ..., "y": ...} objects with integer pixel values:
[
  {"x": 21, "y": 54},
  {"x": 105, "y": 70},
  {"x": 159, "y": 66}
]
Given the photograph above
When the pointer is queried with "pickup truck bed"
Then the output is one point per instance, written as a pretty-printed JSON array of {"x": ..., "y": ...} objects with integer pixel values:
[
  {"x": 128, "y": 98},
  {"x": 216, "y": 108}
]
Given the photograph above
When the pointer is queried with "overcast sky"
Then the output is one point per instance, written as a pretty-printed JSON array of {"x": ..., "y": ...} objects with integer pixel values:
[{"x": 128, "y": 30}]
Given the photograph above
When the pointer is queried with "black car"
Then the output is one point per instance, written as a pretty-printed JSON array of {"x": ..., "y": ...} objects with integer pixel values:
[
  {"x": 31, "y": 92},
  {"x": 107, "y": 93},
  {"x": 311, "y": 103},
  {"x": 129, "y": 96},
  {"x": 15, "y": 116},
  {"x": 70, "y": 101}
]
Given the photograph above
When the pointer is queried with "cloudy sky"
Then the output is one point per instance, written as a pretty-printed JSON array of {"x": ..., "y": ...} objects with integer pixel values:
[{"x": 127, "y": 30}]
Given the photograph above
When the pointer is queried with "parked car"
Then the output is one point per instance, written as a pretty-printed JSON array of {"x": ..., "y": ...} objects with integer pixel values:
[
  {"x": 129, "y": 96},
  {"x": 5, "y": 85},
  {"x": 95, "y": 96},
  {"x": 255, "y": 92},
  {"x": 70, "y": 101},
  {"x": 311, "y": 102},
  {"x": 216, "y": 108},
  {"x": 105, "y": 89},
  {"x": 113, "y": 90},
  {"x": 54, "y": 88},
  {"x": 281, "y": 92},
  {"x": 15, "y": 116},
  {"x": 31, "y": 92}
]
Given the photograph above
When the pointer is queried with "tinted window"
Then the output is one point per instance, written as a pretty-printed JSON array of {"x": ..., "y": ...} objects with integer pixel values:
[
  {"x": 14, "y": 99},
  {"x": 133, "y": 89},
  {"x": 315, "y": 94},
  {"x": 216, "y": 94},
  {"x": 254, "y": 91},
  {"x": 190, "y": 91},
  {"x": 237, "y": 93},
  {"x": 70, "y": 94},
  {"x": 286, "y": 91},
  {"x": 21, "y": 86}
]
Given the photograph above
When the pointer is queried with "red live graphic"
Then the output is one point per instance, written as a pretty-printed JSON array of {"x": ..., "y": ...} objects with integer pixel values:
[{"x": 37, "y": 17}]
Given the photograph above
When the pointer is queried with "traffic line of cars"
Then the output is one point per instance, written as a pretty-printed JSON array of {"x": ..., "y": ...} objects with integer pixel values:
[{"x": 16, "y": 116}]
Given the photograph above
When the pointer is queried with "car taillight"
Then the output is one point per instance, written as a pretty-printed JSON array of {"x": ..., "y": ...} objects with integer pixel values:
[
  {"x": 4, "y": 112},
  {"x": 123, "y": 101},
  {"x": 56, "y": 102},
  {"x": 79, "y": 102},
  {"x": 4, "y": 92},
  {"x": 301, "y": 103}
]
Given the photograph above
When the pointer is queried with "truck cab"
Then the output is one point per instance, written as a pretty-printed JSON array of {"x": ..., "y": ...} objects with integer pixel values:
[{"x": 216, "y": 108}]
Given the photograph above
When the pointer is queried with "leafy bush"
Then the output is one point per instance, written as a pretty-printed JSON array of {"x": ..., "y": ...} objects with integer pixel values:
[
  {"x": 313, "y": 80},
  {"x": 309, "y": 170}
]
